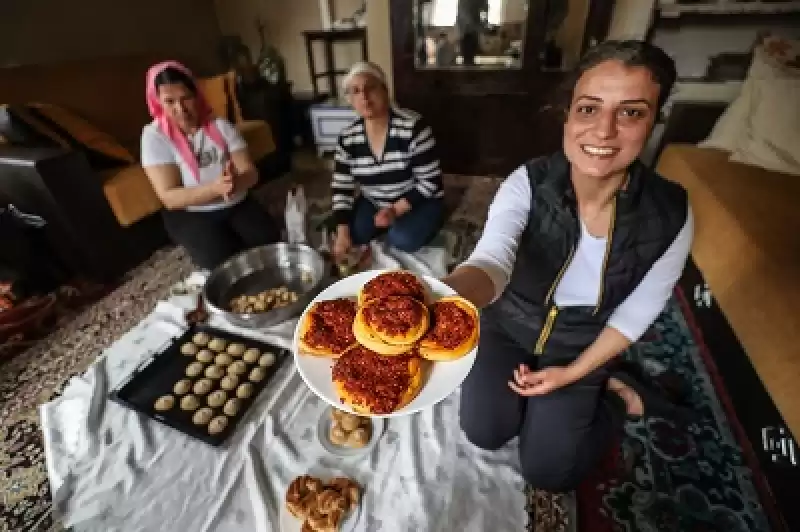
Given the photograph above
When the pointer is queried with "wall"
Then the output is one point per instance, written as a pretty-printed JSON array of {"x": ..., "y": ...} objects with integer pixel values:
[
  {"x": 285, "y": 21},
  {"x": 379, "y": 37},
  {"x": 49, "y": 31}
]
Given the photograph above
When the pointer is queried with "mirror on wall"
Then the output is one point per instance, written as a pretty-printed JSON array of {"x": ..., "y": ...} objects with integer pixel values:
[
  {"x": 490, "y": 34},
  {"x": 470, "y": 33}
]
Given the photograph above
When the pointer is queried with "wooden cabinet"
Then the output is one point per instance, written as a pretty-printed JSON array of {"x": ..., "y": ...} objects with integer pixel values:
[{"x": 488, "y": 119}]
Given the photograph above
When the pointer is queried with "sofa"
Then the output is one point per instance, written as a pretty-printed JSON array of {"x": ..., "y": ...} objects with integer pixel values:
[
  {"x": 107, "y": 96},
  {"x": 746, "y": 247}
]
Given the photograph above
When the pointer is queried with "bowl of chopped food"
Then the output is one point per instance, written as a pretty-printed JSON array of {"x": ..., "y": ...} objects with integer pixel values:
[{"x": 265, "y": 286}]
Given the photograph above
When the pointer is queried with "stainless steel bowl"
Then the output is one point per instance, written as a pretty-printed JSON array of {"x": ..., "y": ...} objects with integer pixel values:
[{"x": 260, "y": 269}]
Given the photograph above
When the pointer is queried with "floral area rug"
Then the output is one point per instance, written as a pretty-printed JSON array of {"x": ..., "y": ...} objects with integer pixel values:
[{"x": 660, "y": 478}]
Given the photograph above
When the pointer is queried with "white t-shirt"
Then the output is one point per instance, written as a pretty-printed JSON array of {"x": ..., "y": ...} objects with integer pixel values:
[
  {"x": 157, "y": 149},
  {"x": 496, "y": 253}
]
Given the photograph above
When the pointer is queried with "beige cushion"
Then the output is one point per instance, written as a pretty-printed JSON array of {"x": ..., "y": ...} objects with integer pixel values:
[
  {"x": 130, "y": 194},
  {"x": 768, "y": 64},
  {"x": 771, "y": 139}
]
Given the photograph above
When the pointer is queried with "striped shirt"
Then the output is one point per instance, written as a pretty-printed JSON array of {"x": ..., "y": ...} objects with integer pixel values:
[{"x": 408, "y": 168}]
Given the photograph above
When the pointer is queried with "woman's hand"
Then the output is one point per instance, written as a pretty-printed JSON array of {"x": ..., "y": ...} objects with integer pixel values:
[
  {"x": 341, "y": 243},
  {"x": 530, "y": 383},
  {"x": 224, "y": 185},
  {"x": 385, "y": 217}
]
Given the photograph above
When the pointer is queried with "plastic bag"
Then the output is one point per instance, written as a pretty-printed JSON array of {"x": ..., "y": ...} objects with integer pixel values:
[{"x": 296, "y": 210}]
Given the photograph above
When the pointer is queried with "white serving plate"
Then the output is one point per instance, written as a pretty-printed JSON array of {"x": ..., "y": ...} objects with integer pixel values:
[{"x": 442, "y": 379}]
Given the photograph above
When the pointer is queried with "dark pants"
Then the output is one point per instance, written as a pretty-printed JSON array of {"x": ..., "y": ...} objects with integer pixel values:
[
  {"x": 562, "y": 435},
  {"x": 212, "y": 237},
  {"x": 408, "y": 232}
]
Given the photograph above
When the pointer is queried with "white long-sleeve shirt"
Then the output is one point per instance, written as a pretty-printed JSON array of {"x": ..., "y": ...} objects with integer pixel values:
[{"x": 496, "y": 253}]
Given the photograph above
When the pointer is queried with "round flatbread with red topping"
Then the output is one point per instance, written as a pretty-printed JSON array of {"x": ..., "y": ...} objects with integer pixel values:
[
  {"x": 454, "y": 330},
  {"x": 394, "y": 283},
  {"x": 371, "y": 383},
  {"x": 391, "y": 325},
  {"x": 327, "y": 328}
]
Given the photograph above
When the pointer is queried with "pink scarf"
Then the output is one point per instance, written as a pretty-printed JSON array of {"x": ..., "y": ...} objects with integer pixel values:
[{"x": 171, "y": 130}]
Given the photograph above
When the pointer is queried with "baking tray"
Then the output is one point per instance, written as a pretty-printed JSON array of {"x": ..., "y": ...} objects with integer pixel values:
[{"x": 157, "y": 376}]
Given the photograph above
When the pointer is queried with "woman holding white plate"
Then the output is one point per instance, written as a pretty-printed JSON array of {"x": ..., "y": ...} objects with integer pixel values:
[{"x": 579, "y": 255}]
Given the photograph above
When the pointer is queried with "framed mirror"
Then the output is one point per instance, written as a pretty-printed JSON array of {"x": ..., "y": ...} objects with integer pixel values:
[
  {"x": 468, "y": 34},
  {"x": 491, "y": 34}
]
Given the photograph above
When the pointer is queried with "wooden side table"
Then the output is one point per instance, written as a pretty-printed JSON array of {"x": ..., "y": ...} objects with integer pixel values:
[{"x": 328, "y": 38}]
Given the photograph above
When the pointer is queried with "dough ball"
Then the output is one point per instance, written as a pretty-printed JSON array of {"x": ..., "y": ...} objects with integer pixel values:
[
  {"x": 244, "y": 390},
  {"x": 338, "y": 436},
  {"x": 251, "y": 356},
  {"x": 203, "y": 386},
  {"x": 258, "y": 374},
  {"x": 182, "y": 387},
  {"x": 194, "y": 369},
  {"x": 190, "y": 402},
  {"x": 229, "y": 382},
  {"x": 217, "y": 344},
  {"x": 189, "y": 349},
  {"x": 336, "y": 414},
  {"x": 237, "y": 368},
  {"x": 217, "y": 398},
  {"x": 232, "y": 407},
  {"x": 217, "y": 425},
  {"x": 201, "y": 338},
  {"x": 205, "y": 356},
  {"x": 164, "y": 403},
  {"x": 266, "y": 360},
  {"x": 349, "y": 422},
  {"x": 215, "y": 372},
  {"x": 223, "y": 359},
  {"x": 358, "y": 438},
  {"x": 202, "y": 416},
  {"x": 236, "y": 349}
]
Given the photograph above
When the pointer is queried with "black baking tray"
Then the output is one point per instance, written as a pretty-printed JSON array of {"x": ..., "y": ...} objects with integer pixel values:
[{"x": 157, "y": 376}]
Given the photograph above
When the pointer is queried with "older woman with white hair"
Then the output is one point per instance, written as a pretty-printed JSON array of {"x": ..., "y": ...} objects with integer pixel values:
[{"x": 390, "y": 153}]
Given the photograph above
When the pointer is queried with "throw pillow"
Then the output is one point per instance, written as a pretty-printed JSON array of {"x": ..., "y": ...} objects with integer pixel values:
[
  {"x": 728, "y": 129},
  {"x": 72, "y": 127},
  {"x": 781, "y": 54},
  {"x": 215, "y": 91},
  {"x": 772, "y": 138},
  {"x": 771, "y": 60}
]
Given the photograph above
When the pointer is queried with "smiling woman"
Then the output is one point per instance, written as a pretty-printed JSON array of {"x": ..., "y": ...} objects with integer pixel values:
[{"x": 580, "y": 252}]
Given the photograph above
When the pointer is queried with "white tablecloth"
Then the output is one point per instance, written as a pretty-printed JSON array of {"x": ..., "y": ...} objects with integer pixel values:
[{"x": 112, "y": 469}]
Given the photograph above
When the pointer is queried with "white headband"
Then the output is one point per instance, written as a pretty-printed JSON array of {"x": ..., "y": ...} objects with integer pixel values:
[{"x": 363, "y": 67}]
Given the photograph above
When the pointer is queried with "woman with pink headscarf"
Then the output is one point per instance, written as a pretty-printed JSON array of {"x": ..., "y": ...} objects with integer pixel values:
[{"x": 201, "y": 171}]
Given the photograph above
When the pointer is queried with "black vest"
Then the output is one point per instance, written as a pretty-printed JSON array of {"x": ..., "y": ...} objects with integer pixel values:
[{"x": 647, "y": 216}]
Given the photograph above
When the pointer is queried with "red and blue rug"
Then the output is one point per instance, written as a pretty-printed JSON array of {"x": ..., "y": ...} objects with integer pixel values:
[{"x": 660, "y": 478}]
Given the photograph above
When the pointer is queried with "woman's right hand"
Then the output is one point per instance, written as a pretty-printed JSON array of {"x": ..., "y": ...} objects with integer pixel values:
[
  {"x": 341, "y": 243},
  {"x": 223, "y": 185}
]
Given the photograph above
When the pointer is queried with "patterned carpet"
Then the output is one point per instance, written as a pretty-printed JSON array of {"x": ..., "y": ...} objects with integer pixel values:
[
  {"x": 658, "y": 480},
  {"x": 663, "y": 479}
]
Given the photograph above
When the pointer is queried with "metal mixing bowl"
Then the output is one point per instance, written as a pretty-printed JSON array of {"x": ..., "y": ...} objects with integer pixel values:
[{"x": 260, "y": 269}]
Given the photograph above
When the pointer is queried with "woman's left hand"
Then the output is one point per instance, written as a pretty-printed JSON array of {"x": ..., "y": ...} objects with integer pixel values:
[{"x": 530, "y": 383}]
